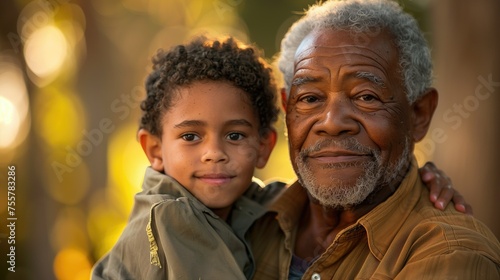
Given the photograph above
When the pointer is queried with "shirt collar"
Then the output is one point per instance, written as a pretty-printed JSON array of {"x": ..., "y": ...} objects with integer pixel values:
[
  {"x": 381, "y": 224},
  {"x": 290, "y": 205},
  {"x": 384, "y": 221}
]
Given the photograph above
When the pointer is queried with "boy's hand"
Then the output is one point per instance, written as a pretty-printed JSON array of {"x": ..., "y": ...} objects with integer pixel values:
[{"x": 441, "y": 189}]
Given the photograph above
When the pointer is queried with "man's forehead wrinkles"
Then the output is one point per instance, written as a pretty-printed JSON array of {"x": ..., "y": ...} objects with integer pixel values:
[
  {"x": 324, "y": 69},
  {"x": 345, "y": 50},
  {"x": 304, "y": 65}
]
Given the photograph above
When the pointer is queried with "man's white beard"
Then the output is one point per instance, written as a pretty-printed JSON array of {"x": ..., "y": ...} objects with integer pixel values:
[{"x": 337, "y": 194}]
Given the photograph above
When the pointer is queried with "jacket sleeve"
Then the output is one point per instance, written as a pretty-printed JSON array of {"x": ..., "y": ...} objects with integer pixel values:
[{"x": 130, "y": 256}]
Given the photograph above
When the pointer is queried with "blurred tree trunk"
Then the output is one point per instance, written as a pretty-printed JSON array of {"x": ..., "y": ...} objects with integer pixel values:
[{"x": 466, "y": 50}]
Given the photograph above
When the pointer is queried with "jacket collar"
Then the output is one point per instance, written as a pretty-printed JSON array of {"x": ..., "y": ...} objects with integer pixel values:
[{"x": 158, "y": 183}]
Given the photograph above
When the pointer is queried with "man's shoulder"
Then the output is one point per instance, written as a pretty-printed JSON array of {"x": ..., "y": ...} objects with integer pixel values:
[
  {"x": 449, "y": 220},
  {"x": 444, "y": 232}
]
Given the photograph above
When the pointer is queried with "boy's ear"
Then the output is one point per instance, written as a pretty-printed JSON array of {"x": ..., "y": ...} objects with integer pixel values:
[
  {"x": 151, "y": 145},
  {"x": 267, "y": 143},
  {"x": 284, "y": 98},
  {"x": 423, "y": 109}
]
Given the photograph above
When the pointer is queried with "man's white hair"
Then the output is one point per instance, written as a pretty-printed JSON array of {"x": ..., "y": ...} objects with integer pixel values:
[{"x": 366, "y": 18}]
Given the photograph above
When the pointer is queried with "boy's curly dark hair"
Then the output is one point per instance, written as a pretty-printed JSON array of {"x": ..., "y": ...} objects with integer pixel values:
[{"x": 213, "y": 60}]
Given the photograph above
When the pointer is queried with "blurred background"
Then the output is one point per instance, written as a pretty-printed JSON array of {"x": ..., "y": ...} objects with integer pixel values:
[{"x": 71, "y": 80}]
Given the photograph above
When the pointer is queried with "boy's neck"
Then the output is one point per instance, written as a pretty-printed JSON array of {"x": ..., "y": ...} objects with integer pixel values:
[{"x": 223, "y": 213}]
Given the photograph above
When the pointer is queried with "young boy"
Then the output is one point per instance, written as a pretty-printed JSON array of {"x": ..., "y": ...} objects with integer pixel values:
[{"x": 207, "y": 124}]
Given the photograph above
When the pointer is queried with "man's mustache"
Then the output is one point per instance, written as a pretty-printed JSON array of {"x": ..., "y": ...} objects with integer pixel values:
[{"x": 350, "y": 144}]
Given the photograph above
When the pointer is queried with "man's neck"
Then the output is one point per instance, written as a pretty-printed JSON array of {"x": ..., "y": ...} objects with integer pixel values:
[{"x": 319, "y": 225}]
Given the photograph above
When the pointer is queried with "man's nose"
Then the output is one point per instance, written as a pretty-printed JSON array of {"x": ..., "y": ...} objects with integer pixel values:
[{"x": 337, "y": 118}]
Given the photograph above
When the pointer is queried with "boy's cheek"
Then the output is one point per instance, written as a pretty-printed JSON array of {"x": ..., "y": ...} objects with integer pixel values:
[{"x": 247, "y": 153}]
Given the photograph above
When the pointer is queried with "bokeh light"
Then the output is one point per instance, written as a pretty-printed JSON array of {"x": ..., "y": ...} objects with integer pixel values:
[
  {"x": 45, "y": 51},
  {"x": 14, "y": 105},
  {"x": 67, "y": 230},
  {"x": 127, "y": 165},
  {"x": 72, "y": 264},
  {"x": 59, "y": 118},
  {"x": 9, "y": 121}
]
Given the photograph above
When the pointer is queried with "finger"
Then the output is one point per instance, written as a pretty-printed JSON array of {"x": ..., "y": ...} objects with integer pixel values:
[
  {"x": 435, "y": 189},
  {"x": 460, "y": 204},
  {"x": 468, "y": 209},
  {"x": 445, "y": 197},
  {"x": 428, "y": 172}
]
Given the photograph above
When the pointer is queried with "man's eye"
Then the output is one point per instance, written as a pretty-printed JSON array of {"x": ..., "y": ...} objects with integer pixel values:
[
  {"x": 368, "y": 101},
  {"x": 190, "y": 137},
  {"x": 309, "y": 99},
  {"x": 234, "y": 136},
  {"x": 367, "y": 98}
]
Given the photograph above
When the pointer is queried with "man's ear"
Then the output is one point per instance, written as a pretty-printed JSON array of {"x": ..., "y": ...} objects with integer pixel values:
[
  {"x": 423, "y": 109},
  {"x": 284, "y": 98},
  {"x": 151, "y": 145},
  {"x": 267, "y": 143}
]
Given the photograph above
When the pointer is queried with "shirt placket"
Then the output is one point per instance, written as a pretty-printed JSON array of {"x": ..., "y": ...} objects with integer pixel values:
[{"x": 326, "y": 266}]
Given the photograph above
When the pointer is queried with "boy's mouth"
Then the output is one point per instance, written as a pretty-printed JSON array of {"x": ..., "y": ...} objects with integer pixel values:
[{"x": 215, "y": 178}]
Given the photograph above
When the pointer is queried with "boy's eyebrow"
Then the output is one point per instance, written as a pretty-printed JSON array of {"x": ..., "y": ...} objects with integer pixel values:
[
  {"x": 370, "y": 77},
  {"x": 240, "y": 122},
  {"x": 193, "y": 123},
  {"x": 189, "y": 123}
]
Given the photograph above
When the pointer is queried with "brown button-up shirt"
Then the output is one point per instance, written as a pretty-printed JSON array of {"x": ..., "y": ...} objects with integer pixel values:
[{"x": 404, "y": 237}]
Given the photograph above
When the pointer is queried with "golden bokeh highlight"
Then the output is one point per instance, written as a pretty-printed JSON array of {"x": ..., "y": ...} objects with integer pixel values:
[
  {"x": 14, "y": 105},
  {"x": 127, "y": 165},
  {"x": 59, "y": 117},
  {"x": 9, "y": 121},
  {"x": 45, "y": 51},
  {"x": 68, "y": 230},
  {"x": 72, "y": 264}
]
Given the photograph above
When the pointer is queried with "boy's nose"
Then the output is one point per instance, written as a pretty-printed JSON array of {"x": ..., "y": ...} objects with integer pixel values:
[{"x": 214, "y": 153}]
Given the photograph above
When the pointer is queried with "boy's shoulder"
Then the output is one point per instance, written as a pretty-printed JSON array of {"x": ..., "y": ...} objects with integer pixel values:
[{"x": 264, "y": 193}]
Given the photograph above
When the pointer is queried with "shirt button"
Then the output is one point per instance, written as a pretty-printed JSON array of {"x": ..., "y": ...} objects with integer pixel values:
[{"x": 316, "y": 276}]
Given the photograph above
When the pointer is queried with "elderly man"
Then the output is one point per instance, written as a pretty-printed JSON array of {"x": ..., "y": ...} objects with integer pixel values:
[{"x": 358, "y": 96}]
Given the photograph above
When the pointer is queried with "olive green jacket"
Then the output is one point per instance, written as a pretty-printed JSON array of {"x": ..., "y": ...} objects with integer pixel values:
[{"x": 172, "y": 235}]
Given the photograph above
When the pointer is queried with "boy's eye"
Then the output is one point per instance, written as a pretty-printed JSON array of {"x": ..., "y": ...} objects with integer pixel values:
[
  {"x": 234, "y": 136},
  {"x": 190, "y": 137}
]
